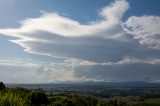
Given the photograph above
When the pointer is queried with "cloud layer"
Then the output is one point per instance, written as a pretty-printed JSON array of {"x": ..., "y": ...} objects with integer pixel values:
[
  {"x": 107, "y": 49},
  {"x": 145, "y": 30}
]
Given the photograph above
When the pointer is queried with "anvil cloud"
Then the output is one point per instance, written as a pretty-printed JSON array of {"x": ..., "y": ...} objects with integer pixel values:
[{"x": 102, "y": 50}]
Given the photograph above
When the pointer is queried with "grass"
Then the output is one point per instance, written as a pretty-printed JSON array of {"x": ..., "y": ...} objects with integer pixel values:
[
  {"x": 13, "y": 98},
  {"x": 152, "y": 101}
]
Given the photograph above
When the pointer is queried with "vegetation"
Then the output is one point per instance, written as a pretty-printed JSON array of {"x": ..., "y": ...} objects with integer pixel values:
[
  {"x": 14, "y": 97},
  {"x": 39, "y": 97},
  {"x": 2, "y": 86}
]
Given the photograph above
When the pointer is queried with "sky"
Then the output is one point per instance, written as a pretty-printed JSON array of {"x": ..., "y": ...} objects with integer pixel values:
[{"x": 58, "y": 41}]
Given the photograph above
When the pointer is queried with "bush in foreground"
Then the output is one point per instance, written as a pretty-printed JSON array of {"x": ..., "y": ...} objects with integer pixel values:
[
  {"x": 39, "y": 98},
  {"x": 2, "y": 86}
]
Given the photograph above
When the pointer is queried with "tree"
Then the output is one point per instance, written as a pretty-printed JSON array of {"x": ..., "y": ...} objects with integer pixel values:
[
  {"x": 61, "y": 101},
  {"x": 2, "y": 86},
  {"x": 39, "y": 98}
]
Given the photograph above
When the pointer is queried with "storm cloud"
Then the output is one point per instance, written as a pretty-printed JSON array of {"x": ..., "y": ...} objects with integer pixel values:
[{"x": 102, "y": 44}]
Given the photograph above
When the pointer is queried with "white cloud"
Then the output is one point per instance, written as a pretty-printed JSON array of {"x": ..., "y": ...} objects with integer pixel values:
[
  {"x": 19, "y": 63},
  {"x": 28, "y": 71},
  {"x": 56, "y": 24},
  {"x": 145, "y": 29},
  {"x": 115, "y": 10},
  {"x": 124, "y": 61},
  {"x": 99, "y": 45},
  {"x": 53, "y": 35},
  {"x": 132, "y": 60}
]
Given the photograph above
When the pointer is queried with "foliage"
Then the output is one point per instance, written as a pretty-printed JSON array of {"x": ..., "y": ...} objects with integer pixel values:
[
  {"x": 25, "y": 97},
  {"x": 62, "y": 102},
  {"x": 2, "y": 86},
  {"x": 39, "y": 98},
  {"x": 84, "y": 100}
]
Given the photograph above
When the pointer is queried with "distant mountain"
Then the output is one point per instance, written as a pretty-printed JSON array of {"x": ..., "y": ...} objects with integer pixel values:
[{"x": 89, "y": 85}]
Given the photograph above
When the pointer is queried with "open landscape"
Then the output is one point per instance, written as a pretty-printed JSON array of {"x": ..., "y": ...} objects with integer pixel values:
[
  {"x": 81, "y": 94},
  {"x": 79, "y": 52}
]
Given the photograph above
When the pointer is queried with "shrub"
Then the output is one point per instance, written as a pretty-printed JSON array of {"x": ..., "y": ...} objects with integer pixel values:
[
  {"x": 84, "y": 100},
  {"x": 61, "y": 101},
  {"x": 2, "y": 86},
  {"x": 39, "y": 98}
]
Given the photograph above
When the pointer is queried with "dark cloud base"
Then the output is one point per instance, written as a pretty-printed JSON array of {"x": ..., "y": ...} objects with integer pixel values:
[{"x": 119, "y": 73}]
